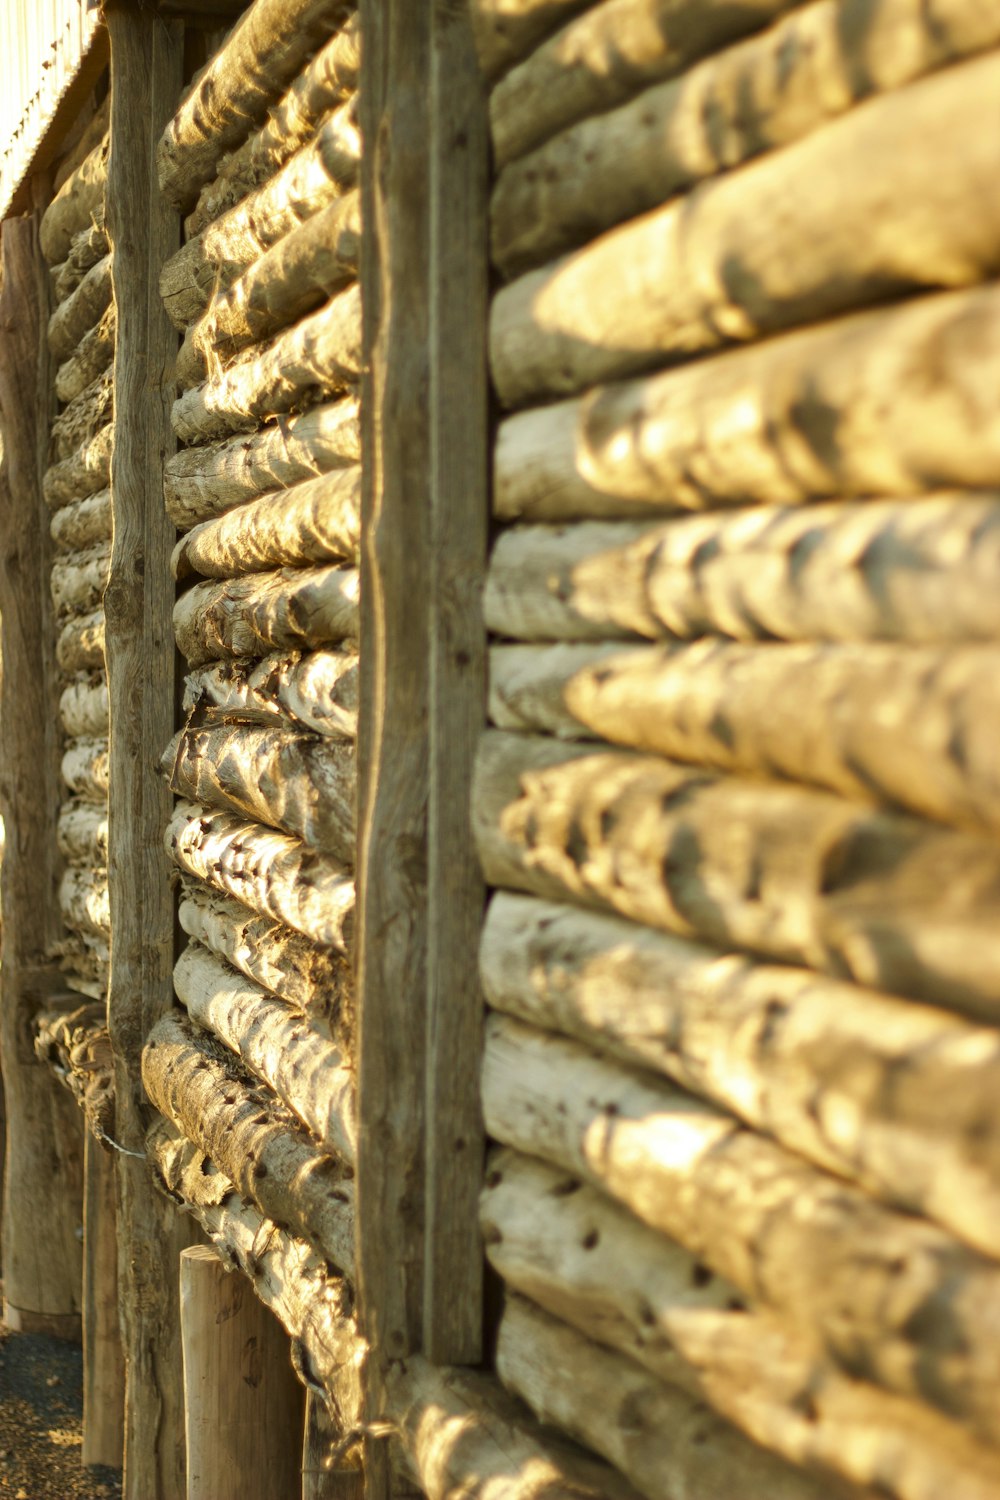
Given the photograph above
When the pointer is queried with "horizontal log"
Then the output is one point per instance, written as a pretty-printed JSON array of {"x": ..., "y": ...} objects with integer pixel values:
[
  {"x": 881, "y": 403},
  {"x": 462, "y": 1434},
  {"x": 895, "y": 1300},
  {"x": 82, "y": 523},
  {"x": 82, "y": 833},
  {"x": 318, "y": 356},
  {"x": 89, "y": 246},
  {"x": 880, "y": 1091},
  {"x": 78, "y": 582},
  {"x": 295, "y": 608},
  {"x": 317, "y": 691},
  {"x": 83, "y": 900},
  {"x": 506, "y": 30},
  {"x": 793, "y": 238},
  {"x": 83, "y": 473},
  {"x": 298, "y": 274},
  {"x": 528, "y": 686},
  {"x": 259, "y": 58},
  {"x": 93, "y": 355},
  {"x": 83, "y": 706},
  {"x": 85, "y": 769},
  {"x": 276, "y": 876},
  {"x": 199, "y": 483},
  {"x": 72, "y": 1039},
  {"x": 73, "y": 208},
  {"x": 315, "y": 1306},
  {"x": 304, "y": 1069},
  {"x": 190, "y": 366},
  {"x": 199, "y": 1087},
  {"x": 547, "y": 582},
  {"x": 889, "y": 901},
  {"x": 318, "y": 982},
  {"x": 757, "y": 95},
  {"x": 300, "y": 783},
  {"x": 80, "y": 646},
  {"x": 83, "y": 419},
  {"x": 665, "y": 1442},
  {"x": 315, "y": 521},
  {"x": 85, "y": 959},
  {"x": 81, "y": 310}
]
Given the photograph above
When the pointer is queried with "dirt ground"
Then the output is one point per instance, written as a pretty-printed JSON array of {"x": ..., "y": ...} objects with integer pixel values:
[{"x": 41, "y": 1423}]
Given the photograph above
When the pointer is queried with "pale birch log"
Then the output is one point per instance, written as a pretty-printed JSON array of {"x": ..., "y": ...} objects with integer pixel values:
[
  {"x": 613, "y": 50},
  {"x": 89, "y": 246},
  {"x": 93, "y": 355},
  {"x": 306, "y": 1071},
  {"x": 85, "y": 769},
  {"x": 73, "y": 208},
  {"x": 464, "y": 1435},
  {"x": 315, "y": 1306},
  {"x": 199, "y": 483},
  {"x": 190, "y": 367},
  {"x": 578, "y": 1255},
  {"x": 82, "y": 833},
  {"x": 262, "y": 54},
  {"x": 801, "y": 876},
  {"x": 78, "y": 582},
  {"x": 666, "y": 1442},
  {"x": 528, "y": 686},
  {"x": 316, "y": 521},
  {"x": 295, "y": 608},
  {"x": 318, "y": 982},
  {"x": 318, "y": 356},
  {"x": 80, "y": 646},
  {"x": 317, "y": 691},
  {"x": 276, "y": 876},
  {"x": 885, "y": 403},
  {"x": 302, "y": 784},
  {"x": 505, "y": 30},
  {"x": 895, "y": 1300},
  {"x": 83, "y": 706},
  {"x": 762, "y": 93},
  {"x": 83, "y": 419},
  {"x": 83, "y": 473},
  {"x": 82, "y": 523},
  {"x": 319, "y": 172},
  {"x": 85, "y": 960},
  {"x": 83, "y": 900},
  {"x": 756, "y": 252},
  {"x": 329, "y": 79},
  {"x": 72, "y": 1040},
  {"x": 899, "y": 1098},
  {"x": 82, "y": 309},
  {"x": 298, "y": 274},
  {"x": 917, "y": 572},
  {"x": 198, "y": 1085}
]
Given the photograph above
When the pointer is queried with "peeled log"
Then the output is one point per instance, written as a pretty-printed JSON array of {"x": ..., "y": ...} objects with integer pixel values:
[
  {"x": 83, "y": 706},
  {"x": 759, "y": 94},
  {"x": 899, "y": 1098},
  {"x": 89, "y": 246},
  {"x": 85, "y": 769},
  {"x": 317, "y": 982},
  {"x": 505, "y": 30},
  {"x": 82, "y": 833},
  {"x": 80, "y": 646},
  {"x": 262, "y": 54},
  {"x": 330, "y": 78},
  {"x": 300, "y": 783},
  {"x": 528, "y": 685},
  {"x": 665, "y": 1442},
  {"x": 317, "y": 691},
  {"x": 316, "y": 521},
  {"x": 82, "y": 523},
  {"x": 93, "y": 355},
  {"x": 917, "y": 571},
  {"x": 75, "y": 206},
  {"x": 304, "y": 1069},
  {"x": 295, "y": 608},
  {"x": 81, "y": 310},
  {"x": 197, "y": 1085},
  {"x": 318, "y": 356},
  {"x": 894, "y": 1299},
  {"x": 273, "y": 874},
  {"x": 199, "y": 483},
  {"x": 801, "y": 876},
  {"x": 83, "y": 473},
  {"x": 78, "y": 582},
  {"x": 883, "y": 403},
  {"x": 83, "y": 901},
  {"x": 83, "y": 419}
]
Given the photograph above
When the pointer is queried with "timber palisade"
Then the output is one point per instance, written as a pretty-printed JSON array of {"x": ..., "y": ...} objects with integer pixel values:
[{"x": 500, "y": 596}]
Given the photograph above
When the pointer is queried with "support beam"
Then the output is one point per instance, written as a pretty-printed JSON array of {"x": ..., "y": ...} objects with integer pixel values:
[{"x": 103, "y": 1357}]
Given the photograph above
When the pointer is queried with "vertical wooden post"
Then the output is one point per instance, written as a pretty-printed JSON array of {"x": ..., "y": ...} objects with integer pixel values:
[
  {"x": 321, "y": 1478},
  {"x": 146, "y": 62},
  {"x": 103, "y": 1362}
]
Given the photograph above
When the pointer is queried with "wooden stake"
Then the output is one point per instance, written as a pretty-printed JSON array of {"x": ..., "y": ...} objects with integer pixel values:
[
  {"x": 324, "y": 1477},
  {"x": 103, "y": 1356}
]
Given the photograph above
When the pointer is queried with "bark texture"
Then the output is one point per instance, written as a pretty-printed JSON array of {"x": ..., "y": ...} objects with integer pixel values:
[
  {"x": 81, "y": 310},
  {"x": 83, "y": 707},
  {"x": 83, "y": 524},
  {"x": 89, "y": 246},
  {"x": 78, "y": 583},
  {"x": 295, "y": 608},
  {"x": 82, "y": 833},
  {"x": 317, "y": 690},
  {"x": 74, "y": 207},
  {"x": 85, "y": 416},
  {"x": 72, "y": 1039},
  {"x": 85, "y": 769},
  {"x": 82, "y": 473},
  {"x": 83, "y": 900},
  {"x": 91, "y": 358},
  {"x": 80, "y": 646}
]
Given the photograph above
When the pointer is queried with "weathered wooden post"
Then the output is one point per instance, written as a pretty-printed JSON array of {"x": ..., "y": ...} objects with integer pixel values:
[
  {"x": 324, "y": 1476},
  {"x": 103, "y": 1360}
]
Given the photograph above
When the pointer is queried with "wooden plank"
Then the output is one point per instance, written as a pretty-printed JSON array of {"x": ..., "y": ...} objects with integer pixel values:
[
  {"x": 146, "y": 79},
  {"x": 459, "y": 518}
]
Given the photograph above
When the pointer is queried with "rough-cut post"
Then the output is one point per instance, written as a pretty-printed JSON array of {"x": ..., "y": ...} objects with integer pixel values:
[
  {"x": 323, "y": 1476},
  {"x": 241, "y": 1398},
  {"x": 103, "y": 1362},
  {"x": 146, "y": 79}
]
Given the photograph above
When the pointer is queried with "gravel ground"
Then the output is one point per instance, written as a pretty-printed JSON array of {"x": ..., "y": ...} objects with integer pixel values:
[{"x": 41, "y": 1423}]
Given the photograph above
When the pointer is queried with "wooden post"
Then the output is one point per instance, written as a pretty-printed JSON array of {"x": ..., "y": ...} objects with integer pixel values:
[
  {"x": 242, "y": 1402},
  {"x": 146, "y": 54},
  {"x": 103, "y": 1360},
  {"x": 323, "y": 1476}
]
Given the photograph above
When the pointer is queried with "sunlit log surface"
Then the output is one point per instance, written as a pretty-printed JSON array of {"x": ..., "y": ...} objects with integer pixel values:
[
  {"x": 82, "y": 523},
  {"x": 83, "y": 706},
  {"x": 316, "y": 690},
  {"x": 505, "y": 30},
  {"x": 89, "y": 246},
  {"x": 80, "y": 644},
  {"x": 82, "y": 833},
  {"x": 83, "y": 418},
  {"x": 83, "y": 900},
  {"x": 81, "y": 310},
  {"x": 73, "y": 208},
  {"x": 85, "y": 769},
  {"x": 80, "y": 474},
  {"x": 295, "y": 608},
  {"x": 78, "y": 582}
]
